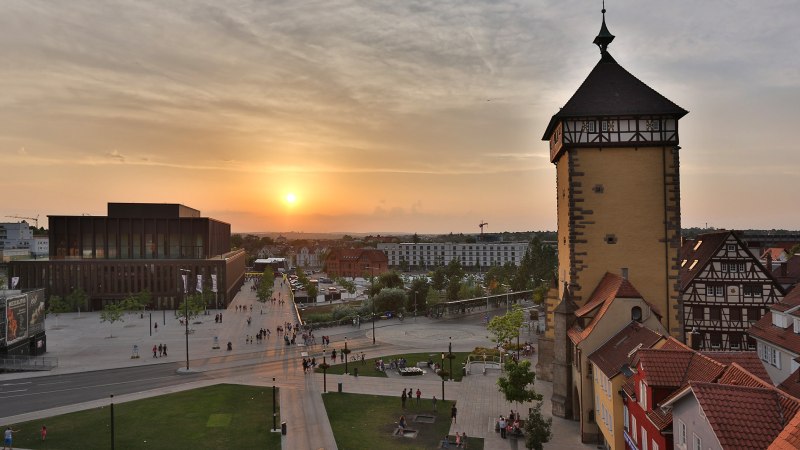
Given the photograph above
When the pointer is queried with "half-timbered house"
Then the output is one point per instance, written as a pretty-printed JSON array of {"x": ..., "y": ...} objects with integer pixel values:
[{"x": 724, "y": 289}]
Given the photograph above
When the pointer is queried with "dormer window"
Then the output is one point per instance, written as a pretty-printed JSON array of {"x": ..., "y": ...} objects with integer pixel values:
[
  {"x": 778, "y": 319},
  {"x": 636, "y": 314},
  {"x": 796, "y": 328}
]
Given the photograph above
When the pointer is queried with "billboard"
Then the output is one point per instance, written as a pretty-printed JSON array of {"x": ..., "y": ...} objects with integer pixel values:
[
  {"x": 16, "y": 319},
  {"x": 23, "y": 316}
]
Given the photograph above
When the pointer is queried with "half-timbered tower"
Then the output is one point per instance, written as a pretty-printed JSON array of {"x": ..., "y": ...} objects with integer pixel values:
[
  {"x": 724, "y": 290},
  {"x": 615, "y": 148}
]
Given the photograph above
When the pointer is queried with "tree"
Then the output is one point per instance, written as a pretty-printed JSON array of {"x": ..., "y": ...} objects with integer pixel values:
[
  {"x": 265, "y": 285},
  {"x": 111, "y": 313},
  {"x": 537, "y": 428},
  {"x": 439, "y": 279},
  {"x": 794, "y": 250},
  {"x": 421, "y": 286},
  {"x": 77, "y": 300},
  {"x": 514, "y": 384},
  {"x": 454, "y": 269},
  {"x": 58, "y": 306},
  {"x": 390, "y": 300},
  {"x": 312, "y": 290},
  {"x": 507, "y": 326},
  {"x": 194, "y": 302}
]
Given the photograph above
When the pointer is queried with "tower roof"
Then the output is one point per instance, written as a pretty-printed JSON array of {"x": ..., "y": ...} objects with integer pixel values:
[{"x": 610, "y": 90}]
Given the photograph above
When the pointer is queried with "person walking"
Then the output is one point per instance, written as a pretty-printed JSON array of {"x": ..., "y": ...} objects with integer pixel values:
[
  {"x": 160, "y": 350},
  {"x": 434, "y": 403},
  {"x": 453, "y": 413},
  {"x": 419, "y": 394},
  {"x": 155, "y": 351},
  {"x": 165, "y": 349},
  {"x": 503, "y": 427},
  {"x": 403, "y": 399}
]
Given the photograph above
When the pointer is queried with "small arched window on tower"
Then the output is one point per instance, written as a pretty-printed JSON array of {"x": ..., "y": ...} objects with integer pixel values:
[{"x": 636, "y": 314}]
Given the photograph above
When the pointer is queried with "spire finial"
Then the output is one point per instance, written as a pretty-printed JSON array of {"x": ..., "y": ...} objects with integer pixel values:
[{"x": 604, "y": 37}]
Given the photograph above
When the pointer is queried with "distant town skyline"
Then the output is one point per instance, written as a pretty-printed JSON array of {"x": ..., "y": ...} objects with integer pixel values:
[{"x": 380, "y": 117}]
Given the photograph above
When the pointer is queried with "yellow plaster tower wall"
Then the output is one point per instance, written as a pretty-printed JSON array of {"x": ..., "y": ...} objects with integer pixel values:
[{"x": 620, "y": 208}]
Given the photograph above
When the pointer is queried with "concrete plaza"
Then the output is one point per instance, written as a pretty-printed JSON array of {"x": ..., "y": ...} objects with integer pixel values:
[{"x": 83, "y": 343}]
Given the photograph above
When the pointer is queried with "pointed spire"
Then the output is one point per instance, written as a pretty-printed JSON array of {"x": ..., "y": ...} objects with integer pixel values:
[{"x": 604, "y": 37}]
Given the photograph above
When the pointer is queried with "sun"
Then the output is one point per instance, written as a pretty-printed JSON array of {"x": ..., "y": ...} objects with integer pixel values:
[{"x": 291, "y": 198}]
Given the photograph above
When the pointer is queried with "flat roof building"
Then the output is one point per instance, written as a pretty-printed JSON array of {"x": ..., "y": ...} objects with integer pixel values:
[{"x": 136, "y": 247}]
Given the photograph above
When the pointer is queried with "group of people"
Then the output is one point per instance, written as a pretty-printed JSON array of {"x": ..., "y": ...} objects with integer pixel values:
[
  {"x": 309, "y": 364},
  {"x": 460, "y": 440},
  {"x": 510, "y": 425},
  {"x": 159, "y": 350},
  {"x": 410, "y": 395},
  {"x": 218, "y": 318}
]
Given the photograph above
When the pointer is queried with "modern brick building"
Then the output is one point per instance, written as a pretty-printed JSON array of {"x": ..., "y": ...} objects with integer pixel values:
[{"x": 136, "y": 247}]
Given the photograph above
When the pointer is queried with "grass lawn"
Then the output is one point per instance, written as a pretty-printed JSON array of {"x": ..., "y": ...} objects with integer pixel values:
[
  {"x": 367, "y": 421},
  {"x": 368, "y": 369},
  {"x": 221, "y": 416}
]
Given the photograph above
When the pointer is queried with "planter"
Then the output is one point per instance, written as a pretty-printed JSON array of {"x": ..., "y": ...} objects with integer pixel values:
[{"x": 411, "y": 371}]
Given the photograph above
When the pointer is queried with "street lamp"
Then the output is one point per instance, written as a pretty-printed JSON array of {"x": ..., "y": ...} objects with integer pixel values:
[
  {"x": 346, "y": 352},
  {"x": 415, "y": 306},
  {"x": 112, "y": 422},
  {"x": 324, "y": 366},
  {"x": 274, "y": 413},
  {"x": 442, "y": 376},
  {"x": 450, "y": 356},
  {"x": 186, "y": 315}
]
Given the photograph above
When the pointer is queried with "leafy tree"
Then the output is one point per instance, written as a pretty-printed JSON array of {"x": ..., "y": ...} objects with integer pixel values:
[
  {"x": 454, "y": 269},
  {"x": 439, "y": 279},
  {"x": 421, "y": 286},
  {"x": 194, "y": 302},
  {"x": 507, "y": 326},
  {"x": 539, "y": 263},
  {"x": 453, "y": 288},
  {"x": 58, "y": 306},
  {"x": 404, "y": 265},
  {"x": 77, "y": 300},
  {"x": 390, "y": 299},
  {"x": 537, "y": 428},
  {"x": 794, "y": 250},
  {"x": 514, "y": 384},
  {"x": 415, "y": 238},
  {"x": 388, "y": 280},
  {"x": 265, "y": 285},
  {"x": 312, "y": 290},
  {"x": 111, "y": 313}
]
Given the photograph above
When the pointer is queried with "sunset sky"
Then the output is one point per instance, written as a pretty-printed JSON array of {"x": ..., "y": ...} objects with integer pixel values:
[{"x": 380, "y": 116}]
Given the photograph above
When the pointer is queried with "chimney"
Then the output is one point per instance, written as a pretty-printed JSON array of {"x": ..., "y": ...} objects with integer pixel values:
[
  {"x": 694, "y": 338},
  {"x": 624, "y": 273}
]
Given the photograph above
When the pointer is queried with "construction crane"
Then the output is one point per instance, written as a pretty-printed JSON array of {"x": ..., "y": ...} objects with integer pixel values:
[
  {"x": 482, "y": 224},
  {"x": 34, "y": 219}
]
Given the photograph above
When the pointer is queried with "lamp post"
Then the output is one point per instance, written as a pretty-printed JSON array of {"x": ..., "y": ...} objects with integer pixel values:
[
  {"x": 112, "y": 421},
  {"x": 274, "y": 413},
  {"x": 186, "y": 315},
  {"x": 324, "y": 367},
  {"x": 442, "y": 376},
  {"x": 346, "y": 352},
  {"x": 415, "y": 306},
  {"x": 450, "y": 356}
]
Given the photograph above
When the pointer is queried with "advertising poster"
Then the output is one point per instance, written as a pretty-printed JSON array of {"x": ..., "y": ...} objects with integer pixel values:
[
  {"x": 16, "y": 319},
  {"x": 3, "y": 321},
  {"x": 36, "y": 310}
]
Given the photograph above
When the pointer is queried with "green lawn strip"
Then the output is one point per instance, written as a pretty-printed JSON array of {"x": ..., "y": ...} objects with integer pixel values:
[
  {"x": 368, "y": 369},
  {"x": 221, "y": 416},
  {"x": 367, "y": 421}
]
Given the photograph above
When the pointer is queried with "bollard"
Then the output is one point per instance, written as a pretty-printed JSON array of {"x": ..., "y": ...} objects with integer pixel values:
[
  {"x": 340, "y": 387},
  {"x": 283, "y": 428}
]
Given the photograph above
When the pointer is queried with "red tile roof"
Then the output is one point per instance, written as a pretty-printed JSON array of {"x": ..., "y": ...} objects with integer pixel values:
[
  {"x": 788, "y": 273},
  {"x": 773, "y": 252},
  {"x": 747, "y": 360},
  {"x": 711, "y": 243},
  {"x": 612, "y": 355},
  {"x": 791, "y": 385},
  {"x": 782, "y": 337},
  {"x": 741, "y": 417},
  {"x": 659, "y": 418},
  {"x": 611, "y": 286},
  {"x": 673, "y": 368},
  {"x": 789, "y": 437}
]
